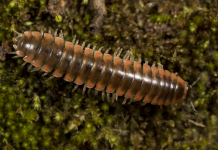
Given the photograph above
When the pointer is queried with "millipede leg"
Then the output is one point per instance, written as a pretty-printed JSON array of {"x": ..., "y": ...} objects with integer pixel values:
[
  {"x": 44, "y": 74},
  {"x": 36, "y": 69},
  {"x": 108, "y": 97},
  {"x": 143, "y": 104},
  {"x": 119, "y": 53},
  {"x": 83, "y": 45},
  {"x": 131, "y": 100},
  {"x": 84, "y": 88},
  {"x": 103, "y": 95},
  {"x": 29, "y": 68},
  {"x": 49, "y": 30},
  {"x": 15, "y": 47},
  {"x": 96, "y": 92},
  {"x": 154, "y": 64},
  {"x": 99, "y": 50},
  {"x": 51, "y": 77},
  {"x": 89, "y": 91},
  {"x": 88, "y": 46},
  {"x": 124, "y": 60},
  {"x": 14, "y": 57},
  {"x": 42, "y": 29},
  {"x": 159, "y": 66},
  {"x": 116, "y": 52},
  {"x": 61, "y": 35},
  {"x": 55, "y": 33},
  {"x": 77, "y": 42},
  {"x": 116, "y": 97},
  {"x": 139, "y": 58},
  {"x": 113, "y": 97},
  {"x": 124, "y": 102},
  {"x": 131, "y": 57},
  {"x": 23, "y": 64},
  {"x": 146, "y": 61},
  {"x": 126, "y": 56},
  {"x": 94, "y": 47},
  {"x": 107, "y": 51},
  {"x": 74, "y": 39},
  {"x": 75, "y": 87},
  {"x": 12, "y": 53}
]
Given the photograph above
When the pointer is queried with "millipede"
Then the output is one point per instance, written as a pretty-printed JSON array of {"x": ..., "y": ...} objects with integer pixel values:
[{"x": 106, "y": 73}]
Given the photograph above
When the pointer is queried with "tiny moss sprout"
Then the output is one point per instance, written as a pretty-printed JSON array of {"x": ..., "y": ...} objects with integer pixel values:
[{"x": 58, "y": 18}]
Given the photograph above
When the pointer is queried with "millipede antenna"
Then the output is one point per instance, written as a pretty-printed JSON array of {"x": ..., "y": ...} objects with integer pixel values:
[
  {"x": 196, "y": 80},
  {"x": 192, "y": 106},
  {"x": 195, "y": 111},
  {"x": 16, "y": 32}
]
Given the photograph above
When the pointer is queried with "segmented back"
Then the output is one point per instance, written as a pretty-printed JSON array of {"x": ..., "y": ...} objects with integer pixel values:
[{"x": 101, "y": 71}]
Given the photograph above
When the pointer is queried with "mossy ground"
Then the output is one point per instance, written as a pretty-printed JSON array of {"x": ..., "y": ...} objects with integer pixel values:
[{"x": 35, "y": 114}]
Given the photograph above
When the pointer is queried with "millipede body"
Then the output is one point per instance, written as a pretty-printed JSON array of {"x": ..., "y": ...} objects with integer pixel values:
[{"x": 106, "y": 73}]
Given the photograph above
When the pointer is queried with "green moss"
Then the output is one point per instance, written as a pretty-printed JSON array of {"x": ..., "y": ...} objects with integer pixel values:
[{"x": 40, "y": 114}]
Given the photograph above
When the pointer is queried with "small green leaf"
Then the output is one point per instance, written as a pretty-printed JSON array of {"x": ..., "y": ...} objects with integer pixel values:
[{"x": 28, "y": 23}]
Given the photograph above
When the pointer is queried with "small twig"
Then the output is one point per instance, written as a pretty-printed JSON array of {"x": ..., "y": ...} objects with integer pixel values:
[
  {"x": 20, "y": 4},
  {"x": 196, "y": 123},
  {"x": 58, "y": 7}
]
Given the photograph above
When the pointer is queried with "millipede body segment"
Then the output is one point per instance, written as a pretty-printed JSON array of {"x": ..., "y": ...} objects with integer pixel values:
[{"x": 121, "y": 77}]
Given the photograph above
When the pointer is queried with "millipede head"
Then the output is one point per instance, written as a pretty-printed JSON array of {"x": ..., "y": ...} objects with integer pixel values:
[{"x": 15, "y": 40}]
